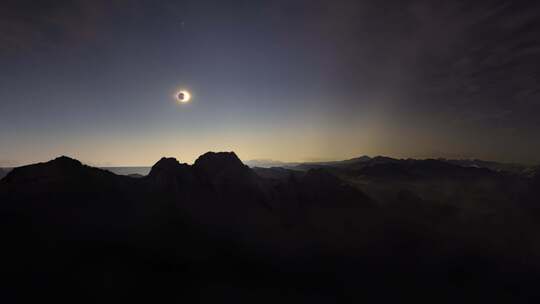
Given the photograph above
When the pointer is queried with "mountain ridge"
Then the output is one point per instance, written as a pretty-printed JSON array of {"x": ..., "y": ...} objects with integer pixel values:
[{"x": 414, "y": 221}]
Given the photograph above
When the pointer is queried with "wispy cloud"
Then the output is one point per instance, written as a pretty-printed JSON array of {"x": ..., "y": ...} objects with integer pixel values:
[{"x": 27, "y": 25}]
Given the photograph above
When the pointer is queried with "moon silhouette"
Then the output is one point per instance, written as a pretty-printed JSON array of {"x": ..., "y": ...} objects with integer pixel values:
[{"x": 183, "y": 96}]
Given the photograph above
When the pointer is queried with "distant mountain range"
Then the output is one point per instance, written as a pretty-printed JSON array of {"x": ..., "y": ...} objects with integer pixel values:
[
  {"x": 140, "y": 171},
  {"x": 361, "y": 161}
]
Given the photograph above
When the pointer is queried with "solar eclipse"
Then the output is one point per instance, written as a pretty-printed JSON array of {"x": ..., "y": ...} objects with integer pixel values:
[{"x": 183, "y": 96}]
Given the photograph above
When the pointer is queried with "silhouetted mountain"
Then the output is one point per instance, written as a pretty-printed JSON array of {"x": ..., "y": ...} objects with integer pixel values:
[
  {"x": 68, "y": 194},
  {"x": 168, "y": 172},
  {"x": 420, "y": 169},
  {"x": 358, "y": 228},
  {"x": 268, "y": 163},
  {"x": 223, "y": 168},
  {"x": 360, "y": 162},
  {"x": 61, "y": 169},
  {"x": 330, "y": 164}
]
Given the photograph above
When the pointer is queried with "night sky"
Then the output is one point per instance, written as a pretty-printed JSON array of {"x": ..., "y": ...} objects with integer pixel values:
[{"x": 283, "y": 80}]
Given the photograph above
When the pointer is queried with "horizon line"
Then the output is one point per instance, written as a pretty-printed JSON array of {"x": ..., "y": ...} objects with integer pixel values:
[{"x": 270, "y": 160}]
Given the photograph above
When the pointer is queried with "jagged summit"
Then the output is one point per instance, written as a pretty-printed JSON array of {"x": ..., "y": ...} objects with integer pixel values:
[
  {"x": 217, "y": 168},
  {"x": 223, "y": 168},
  {"x": 65, "y": 161},
  {"x": 169, "y": 172},
  {"x": 166, "y": 161},
  {"x": 210, "y": 164},
  {"x": 164, "y": 165},
  {"x": 218, "y": 160}
]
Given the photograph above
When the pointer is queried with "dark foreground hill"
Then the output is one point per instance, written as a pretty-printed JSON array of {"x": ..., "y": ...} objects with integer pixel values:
[
  {"x": 3, "y": 172},
  {"x": 219, "y": 232}
]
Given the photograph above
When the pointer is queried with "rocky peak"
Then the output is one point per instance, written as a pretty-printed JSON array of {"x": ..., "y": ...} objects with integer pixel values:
[
  {"x": 170, "y": 173},
  {"x": 218, "y": 160},
  {"x": 61, "y": 168},
  {"x": 212, "y": 163},
  {"x": 223, "y": 167},
  {"x": 65, "y": 161},
  {"x": 165, "y": 165}
]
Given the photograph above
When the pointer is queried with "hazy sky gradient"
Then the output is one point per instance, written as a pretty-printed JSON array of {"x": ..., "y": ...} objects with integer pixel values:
[{"x": 284, "y": 80}]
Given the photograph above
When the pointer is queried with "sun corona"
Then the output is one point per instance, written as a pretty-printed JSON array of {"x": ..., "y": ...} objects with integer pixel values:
[{"x": 183, "y": 96}]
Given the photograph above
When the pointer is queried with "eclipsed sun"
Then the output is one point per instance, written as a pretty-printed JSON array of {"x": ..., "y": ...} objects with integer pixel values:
[{"x": 183, "y": 96}]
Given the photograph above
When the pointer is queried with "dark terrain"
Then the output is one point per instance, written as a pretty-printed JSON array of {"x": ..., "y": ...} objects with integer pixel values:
[
  {"x": 3, "y": 172},
  {"x": 375, "y": 229}
]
